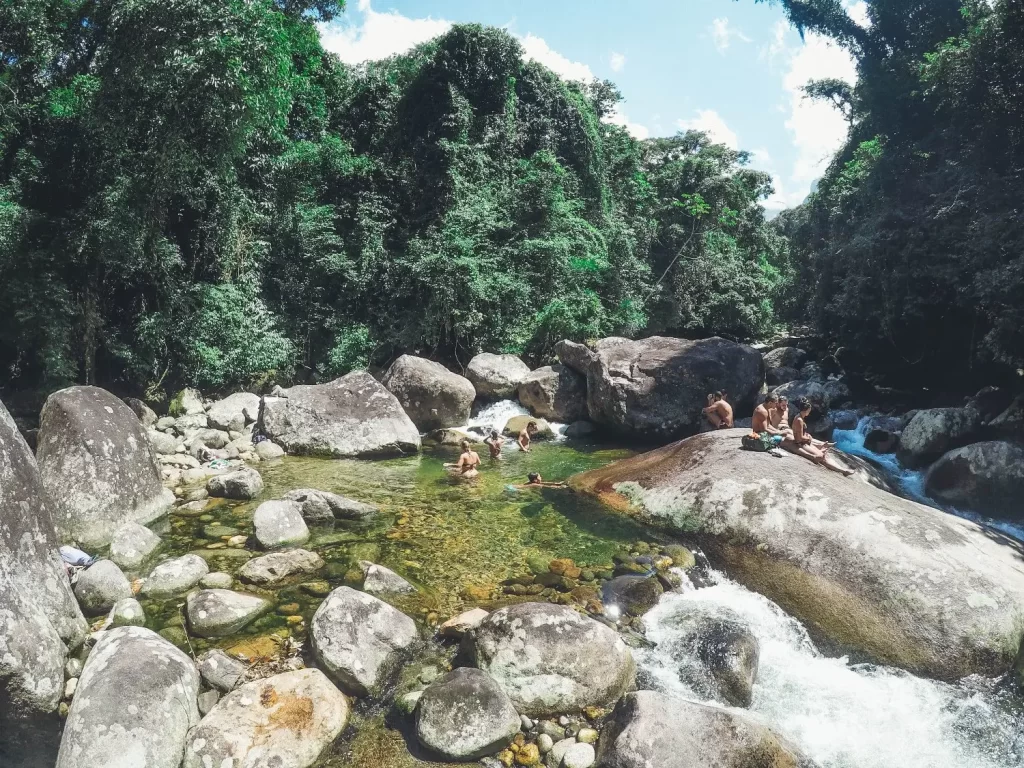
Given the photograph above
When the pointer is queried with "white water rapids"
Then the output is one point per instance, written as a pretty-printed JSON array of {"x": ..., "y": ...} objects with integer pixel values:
[
  {"x": 848, "y": 715},
  {"x": 496, "y": 415}
]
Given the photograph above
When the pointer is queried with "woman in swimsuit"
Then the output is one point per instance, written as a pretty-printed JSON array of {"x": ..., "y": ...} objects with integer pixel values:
[
  {"x": 466, "y": 467},
  {"x": 802, "y": 444}
]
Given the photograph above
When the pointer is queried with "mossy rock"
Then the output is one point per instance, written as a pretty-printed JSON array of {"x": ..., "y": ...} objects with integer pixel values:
[
  {"x": 681, "y": 556},
  {"x": 517, "y": 424}
]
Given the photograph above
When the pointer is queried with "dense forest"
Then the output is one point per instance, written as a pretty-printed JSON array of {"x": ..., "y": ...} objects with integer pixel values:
[{"x": 196, "y": 192}]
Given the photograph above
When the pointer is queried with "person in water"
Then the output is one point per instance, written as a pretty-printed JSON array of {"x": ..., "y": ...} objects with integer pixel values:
[
  {"x": 494, "y": 442},
  {"x": 524, "y": 436},
  {"x": 802, "y": 444},
  {"x": 466, "y": 466},
  {"x": 534, "y": 480},
  {"x": 719, "y": 412},
  {"x": 764, "y": 436}
]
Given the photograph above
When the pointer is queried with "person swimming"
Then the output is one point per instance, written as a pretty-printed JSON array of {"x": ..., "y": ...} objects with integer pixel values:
[
  {"x": 494, "y": 442},
  {"x": 466, "y": 466},
  {"x": 534, "y": 480}
]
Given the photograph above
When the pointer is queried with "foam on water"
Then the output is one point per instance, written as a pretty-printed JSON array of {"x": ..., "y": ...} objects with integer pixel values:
[
  {"x": 496, "y": 415},
  {"x": 849, "y": 715}
]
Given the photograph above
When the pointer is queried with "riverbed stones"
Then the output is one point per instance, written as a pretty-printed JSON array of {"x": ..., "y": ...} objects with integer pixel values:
[
  {"x": 652, "y": 729},
  {"x": 233, "y": 412},
  {"x": 904, "y": 583},
  {"x": 579, "y": 755},
  {"x": 322, "y": 506},
  {"x": 278, "y": 566},
  {"x": 132, "y": 544},
  {"x": 655, "y": 388},
  {"x": 433, "y": 396},
  {"x": 555, "y": 392},
  {"x": 496, "y": 377},
  {"x": 284, "y": 721},
  {"x": 280, "y": 524},
  {"x": 221, "y": 671},
  {"x": 465, "y": 715},
  {"x": 188, "y": 402},
  {"x": 100, "y": 586},
  {"x": 987, "y": 478},
  {"x": 378, "y": 580},
  {"x": 350, "y": 417},
  {"x": 175, "y": 576},
  {"x": 163, "y": 443},
  {"x": 242, "y": 484},
  {"x": 935, "y": 431},
  {"x": 221, "y": 612},
  {"x": 632, "y": 595},
  {"x": 358, "y": 640},
  {"x": 268, "y": 450},
  {"x": 551, "y": 660},
  {"x": 97, "y": 466},
  {"x": 457, "y": 626},
  {"x": 127, "y": 612},
  {"x": 135, "y": 704}
]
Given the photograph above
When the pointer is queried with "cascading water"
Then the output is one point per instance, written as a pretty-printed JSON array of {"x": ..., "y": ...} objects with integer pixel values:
[
  {"x": 496, "y": 415},
  {"x": 910, "y": 482},
  {"x": 846, "y": 715}
]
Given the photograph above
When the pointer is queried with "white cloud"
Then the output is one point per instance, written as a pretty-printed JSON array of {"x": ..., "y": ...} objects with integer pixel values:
[
  {"x": 380, "y": 35},
  {"x": 537, "y": 49},
  {"x": 618, "y": 117},
  {"x": 722, "y": 34},
  {"x": 709, "y": 121},
  {"x": 859, "y": 12},
  {"x": 617, "y": 61}
]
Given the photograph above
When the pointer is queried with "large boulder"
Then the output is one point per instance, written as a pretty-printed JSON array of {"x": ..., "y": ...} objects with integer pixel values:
[
  {"x": 97, "y": 466},
  {"x": 551, "y": 660},
  {"x": 324, "y": 507},
  {"x": 433, "y": 396},
  {"x": 350, "y": 417},
  {"x": 144, "y": 413},
  {"x": 465, "y": 715},
  {"x": 284, "y": 721},
  {"x": 233, "y": 412},
  {"x": 555, "y": 392},
  {"x": 280, "y": 524},
  {"x": 935, "y": 431},
  {"x": 242, "y": 484},
  {"x": 813, "y": 392},
  {"x": 135, "y": 704},
  {"x": 987, "y": 478},
  {"x": 903, "y": 582},
  {"x": 1010, "y": 423},
  {"x": 785, "y": 357},
  {"x": 656, "y": 388},
  {"x": 358, "y": 640},
  {"x": 652, "y": 729},
  {"x": 496, "y": 377},
  {"x": 39, "y": 616},
  {"x": 221, "y": 612}
]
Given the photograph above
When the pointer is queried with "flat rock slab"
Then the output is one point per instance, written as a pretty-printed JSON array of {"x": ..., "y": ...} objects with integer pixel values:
[
  {"x": 221, "y": 612},
  {"x": 175, "y": 576},
  {"x": 278, "y": 566},
  {"x": 134, "y": 706},
  {"x": 284, "y": 721}
]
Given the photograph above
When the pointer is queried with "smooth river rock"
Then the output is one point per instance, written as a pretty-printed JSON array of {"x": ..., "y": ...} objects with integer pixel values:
[
  {"x": 555, "y": 392},
  {"x": 221, "y": 671},
  {"x": 349, "y": 417},
  {"x": 127, "y": 612},
  {"x": 323, "y": 507},
  {"x": 651, "y": 729},
  {"x": 175, "y": 576},
  {"x": 496, "y": 377},
  {"x": 550, "y": 660},
  {"x": 987, "y": 478},
  {"x": 221, "y": 612},
  {"x": 908, "y": 584},
  {"x": 132, "y": 544},
  {"x": 378, "y": 580},
  {"x": 656, "y": 388},
  {"x": 433, "y": 396},
  {"x": 280, "y": 524},
  {"x": 278, "y": 566},
  {"x": 135, "y": 704},
  {"x": 242, "y": 484},
  {"x": 100, "y": 586},
  {"x": 465, "y": 715},
  {"x": 358, "y": 639},
  {"x": 935, "y": 431},
  {"x": 284, "y": 721},
  {"x": 97, "y": 466}
]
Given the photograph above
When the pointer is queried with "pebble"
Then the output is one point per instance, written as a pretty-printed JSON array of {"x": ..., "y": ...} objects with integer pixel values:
[
  {"x": 587, "y": 736},
  {"x": 554, "y": 730},
  {"x": 73, "y": 668},
  {"x": 316, "y": 588},
  {"x": 528, "y": 755},
  {"x": 526, "y": 722},
  {"x": 70, "y": 687},
  {"x": 563, "y": 721},
  {"x": 505, "y": 757},
  {"x": 217, "y": 580},
  {"x": 237, "y": 541},
  {"x": 558, "y": 751},
  {"x": 288, "y": 609},
  {"x": 544, "y": 743},
  {"x": 63, "y": 709},
  {"x": 579, "y": 756}
]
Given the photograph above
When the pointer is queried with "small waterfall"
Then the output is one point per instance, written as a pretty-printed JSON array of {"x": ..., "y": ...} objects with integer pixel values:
[
  {"x": 847, "y": 715},
  {"x": 496, "y": 415}
]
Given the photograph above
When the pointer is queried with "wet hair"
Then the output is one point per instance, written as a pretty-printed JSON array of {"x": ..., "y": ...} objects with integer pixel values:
[
  {"x": 533, "y": 477},
  {"x": 464, "y": 445},
  {"x": 772, "y": 398},
  {"x": 783, "y": 399},
  {"x": 532, "y": 424},
  {"x": 719, "y": 395},
  {"x": 802, "y": 405},
  {"x": 494, "y": 434}
]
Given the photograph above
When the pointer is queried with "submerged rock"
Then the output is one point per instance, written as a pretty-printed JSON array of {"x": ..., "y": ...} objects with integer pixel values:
[
  {"x": 175, "y": 576},
  {"x": 97, "y": 466},
  {"x": 987, "y": 478},
  {"x": 284, "y": 721},
  {"x": 550, "y": 659},
  {"x": 652, "y": 729},
  {"x": 905, "y": 583},
  {"x": 279, "y": 524},
  {"x": 278, "y": 566},
  {"x": 358, "y": 639},
  {"x": 555, "y": 392},
  {"x": 322, "y": 506},
  {"x": 132, "y": 544},
  {"x": 347, "y": 418},
  {"x": 465, "y": 715},
  {"x": 378, "y": 580},
  {"x": 632, "y": 595},
  {"x": 221, "y": 612},
  {"x": 243, "y": 484},
  {"x": 656, "y": 388},
  {"x": 135, "y": 704},
  {"x": 100, "y": 586},
  {"x": 433, "y": 396},
  {"x": 496, "y": 377}
]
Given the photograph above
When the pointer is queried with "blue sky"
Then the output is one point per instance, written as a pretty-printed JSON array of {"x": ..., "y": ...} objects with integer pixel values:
[{"x": 733, "y": 68}]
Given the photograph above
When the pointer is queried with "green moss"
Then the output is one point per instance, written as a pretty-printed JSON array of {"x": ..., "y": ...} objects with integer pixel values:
[{"x": 175, "y": 408}]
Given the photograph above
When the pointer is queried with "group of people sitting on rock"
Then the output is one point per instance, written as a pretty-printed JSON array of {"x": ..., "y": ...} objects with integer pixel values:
[
  {"x": 770, "y": 429},
  {"x": 467, "y": 467}
]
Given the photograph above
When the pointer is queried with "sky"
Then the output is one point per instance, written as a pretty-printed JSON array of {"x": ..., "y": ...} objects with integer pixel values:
[{"x": 732, "y": 68}]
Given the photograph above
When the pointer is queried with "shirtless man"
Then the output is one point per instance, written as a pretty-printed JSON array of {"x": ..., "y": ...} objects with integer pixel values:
[
  {"x": 525, "y": 435},
  {"x": 719, "y": 412},
  {"x": 764, "y": 437},
  {"x": 780, "y": 415},
  {"x": 534, "y": 480},
  {"x": 494, "y": 442},
  {"x": 466, "y": 467}
]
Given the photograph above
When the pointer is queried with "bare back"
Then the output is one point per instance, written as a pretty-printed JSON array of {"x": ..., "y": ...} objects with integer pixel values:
[{"x": 761, "y": 419}]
